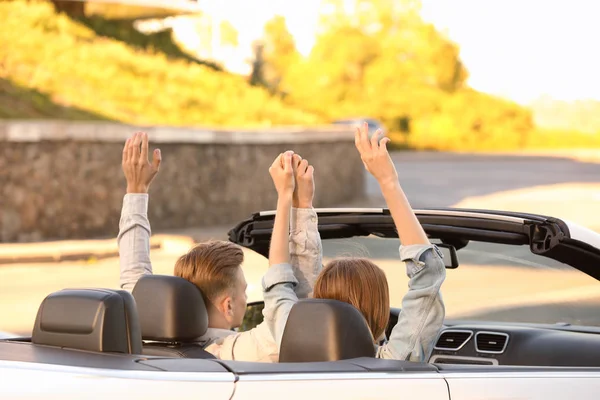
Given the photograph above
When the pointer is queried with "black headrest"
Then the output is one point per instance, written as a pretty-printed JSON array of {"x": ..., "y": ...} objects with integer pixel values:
[
  {"x": 171, "y": 309},
  {"x": 325, "y": 330},
  {"x": 89, "y": 319}
]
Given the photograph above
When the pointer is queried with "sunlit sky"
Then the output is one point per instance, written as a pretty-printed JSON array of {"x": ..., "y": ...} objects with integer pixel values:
[{"x": 519, "y": 49}]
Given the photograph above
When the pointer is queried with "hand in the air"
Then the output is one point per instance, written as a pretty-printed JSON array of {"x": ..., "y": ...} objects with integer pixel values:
[
  {"x": 139, "y": 172},
  {"x": 375, "y": 156}
]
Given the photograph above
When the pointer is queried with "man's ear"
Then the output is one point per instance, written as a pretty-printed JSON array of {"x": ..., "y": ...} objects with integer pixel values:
[{"x": 226, "y": 306}]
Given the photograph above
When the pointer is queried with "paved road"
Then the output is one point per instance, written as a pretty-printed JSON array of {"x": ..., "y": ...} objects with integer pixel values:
[{"x": 442, "y": 180}]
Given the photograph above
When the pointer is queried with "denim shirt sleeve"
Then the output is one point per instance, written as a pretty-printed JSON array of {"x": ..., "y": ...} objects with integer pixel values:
[
  {"x": 306, "y": 251},
  {"x": 423, "y": 312},
  {"x": 134, "y": 240},
  {"x": 279, "y": 284}
]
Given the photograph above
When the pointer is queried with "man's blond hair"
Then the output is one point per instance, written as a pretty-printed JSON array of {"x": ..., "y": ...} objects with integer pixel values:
[{"x": 212, "y": 266}]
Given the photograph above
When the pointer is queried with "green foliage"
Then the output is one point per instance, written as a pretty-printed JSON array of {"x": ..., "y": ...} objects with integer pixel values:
[
  {"x": 469, "y": 120},
  {"x": 20, "y": 102},
  {"x": 75, "y": 67}
]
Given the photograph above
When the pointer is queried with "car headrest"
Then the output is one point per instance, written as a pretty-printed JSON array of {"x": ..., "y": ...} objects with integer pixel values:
[
  {"x": 89, "y": 319},
  {"x": 325, "y": 330},
  {"x": 171, "y": 309}
]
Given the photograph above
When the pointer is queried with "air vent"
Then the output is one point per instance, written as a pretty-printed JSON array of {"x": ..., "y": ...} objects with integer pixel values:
[
  {"x": 453, "y": 340},
  {"x": 491, "y": 342}
]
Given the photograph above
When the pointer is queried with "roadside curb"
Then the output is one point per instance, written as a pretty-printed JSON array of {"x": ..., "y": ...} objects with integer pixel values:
[{"x": 80, "y": 250}]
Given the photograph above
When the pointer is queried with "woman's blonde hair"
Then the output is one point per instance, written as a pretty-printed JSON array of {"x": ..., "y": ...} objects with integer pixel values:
[{"x": 361, "y": 283}]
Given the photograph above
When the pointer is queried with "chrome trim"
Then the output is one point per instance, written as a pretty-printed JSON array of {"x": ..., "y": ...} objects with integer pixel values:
[
  {"x": 450, "y": 213},
  {"x": 492, "y": 333},
  {"x": 125, "y": 374},
  {"x": 470, "y": 214},
  {"x": 324, "y": 376},
  {"x": 453, "y": 330},
  {"x": 493, "y": 361},
  {"x": 332, "y": 211}
]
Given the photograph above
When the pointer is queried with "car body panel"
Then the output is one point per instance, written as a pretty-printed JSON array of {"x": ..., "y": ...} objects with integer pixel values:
[
  {"x": 64, "y": 382},
  {"x": 583, "y": 234},
  {"x": 343, "y": 386},
  {"x": 524, "y": 385}
]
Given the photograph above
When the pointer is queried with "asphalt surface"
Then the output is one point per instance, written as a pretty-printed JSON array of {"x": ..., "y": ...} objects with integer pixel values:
[{"x": 442, "y": 180}]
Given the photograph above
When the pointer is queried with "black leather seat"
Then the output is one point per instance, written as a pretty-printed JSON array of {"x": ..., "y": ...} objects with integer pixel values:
[
  {"x": 325, "y": 330},
  {"x": 172, "y": 316},
  {"x": 100, "y": 320}
]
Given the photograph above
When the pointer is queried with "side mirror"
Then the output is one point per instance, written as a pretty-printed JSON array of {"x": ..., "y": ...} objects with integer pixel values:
[{"x": 450, "y": 257}]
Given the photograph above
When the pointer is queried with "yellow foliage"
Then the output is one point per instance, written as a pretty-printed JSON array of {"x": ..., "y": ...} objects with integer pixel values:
[
  {"x": 384, "y": 62},
  {"x": 75, "y": 67},
  {"x": 469, "y": 120}
]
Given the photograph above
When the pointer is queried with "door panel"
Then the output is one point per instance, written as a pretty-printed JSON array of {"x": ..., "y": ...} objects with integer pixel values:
[
  {"x": 524, "y": 386},
  {"x": 55, "y": 382},
  {"x": 347, "y": 387}
]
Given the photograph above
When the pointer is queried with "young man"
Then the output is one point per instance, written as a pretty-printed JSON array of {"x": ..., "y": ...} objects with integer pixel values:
[{"x": 214, "y": 266}]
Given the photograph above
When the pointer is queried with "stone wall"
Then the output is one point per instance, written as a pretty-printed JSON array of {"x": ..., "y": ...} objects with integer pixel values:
[{"x": 63, "y": 180}]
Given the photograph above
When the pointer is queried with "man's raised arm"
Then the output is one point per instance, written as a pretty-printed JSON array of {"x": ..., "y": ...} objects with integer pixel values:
[{"x": 134, "y": 227}]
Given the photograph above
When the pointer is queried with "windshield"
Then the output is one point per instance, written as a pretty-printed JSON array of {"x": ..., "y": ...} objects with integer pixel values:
[{"x": 494, "y": 282}]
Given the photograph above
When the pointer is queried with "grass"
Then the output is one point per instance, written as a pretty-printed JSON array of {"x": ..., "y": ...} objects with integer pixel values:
[
  {"x": 27, "y": 103},
  {"x": 99, "y": 72}
]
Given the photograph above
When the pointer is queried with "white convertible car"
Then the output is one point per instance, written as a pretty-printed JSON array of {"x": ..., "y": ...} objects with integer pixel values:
[{"x": 526, "y": 292}]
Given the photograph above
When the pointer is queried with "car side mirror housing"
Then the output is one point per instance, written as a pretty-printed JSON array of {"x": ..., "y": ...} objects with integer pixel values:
[{"x": 450, "y": 257}]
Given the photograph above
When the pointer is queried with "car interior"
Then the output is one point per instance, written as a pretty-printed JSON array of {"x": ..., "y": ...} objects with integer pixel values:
[{"x": 156, "y": 327}]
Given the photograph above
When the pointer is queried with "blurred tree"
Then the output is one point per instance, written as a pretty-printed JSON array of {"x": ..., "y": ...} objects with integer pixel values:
[
  {"x": 377, "y": 57},
  {"x": 229, "y": 35},
  {"x": 280, "y": 53},
  {"x": 257, "y": 76}
]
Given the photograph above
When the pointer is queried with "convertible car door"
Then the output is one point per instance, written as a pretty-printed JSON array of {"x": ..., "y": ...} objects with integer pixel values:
[
  {"x": 524, "y": 384},
  {"x": 20, "y": 380},
  {"x": 371, "y": 385},
  {"x": 359, "y": 378}
]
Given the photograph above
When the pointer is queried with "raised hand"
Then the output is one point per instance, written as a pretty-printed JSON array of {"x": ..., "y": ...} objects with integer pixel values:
[
  {"x": 139, "y": 172},
  {"x": 375, "y": 156},
  {"x": 304, "y": 191},
  {"x": 282, "y": 173}
]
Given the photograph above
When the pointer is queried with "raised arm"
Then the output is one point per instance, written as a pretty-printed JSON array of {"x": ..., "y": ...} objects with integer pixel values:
[
  {"x": 423, "y": 312},
  {"x": 283, "y": 177},
  {"x": 306, "y": 250},
  {"x": 279, "y": 282},
  {"x": 134, "y": 228}
]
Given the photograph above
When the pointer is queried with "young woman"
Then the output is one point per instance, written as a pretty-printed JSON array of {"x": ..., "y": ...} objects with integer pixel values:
[{"x": 361, "y": 283}]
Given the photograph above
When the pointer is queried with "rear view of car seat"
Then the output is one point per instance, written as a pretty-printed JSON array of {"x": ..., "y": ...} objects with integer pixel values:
[
  {"x": 325, "y": 330},
  {"x": 100, "y": 320},
  {"x": 172, "y": 316}
]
